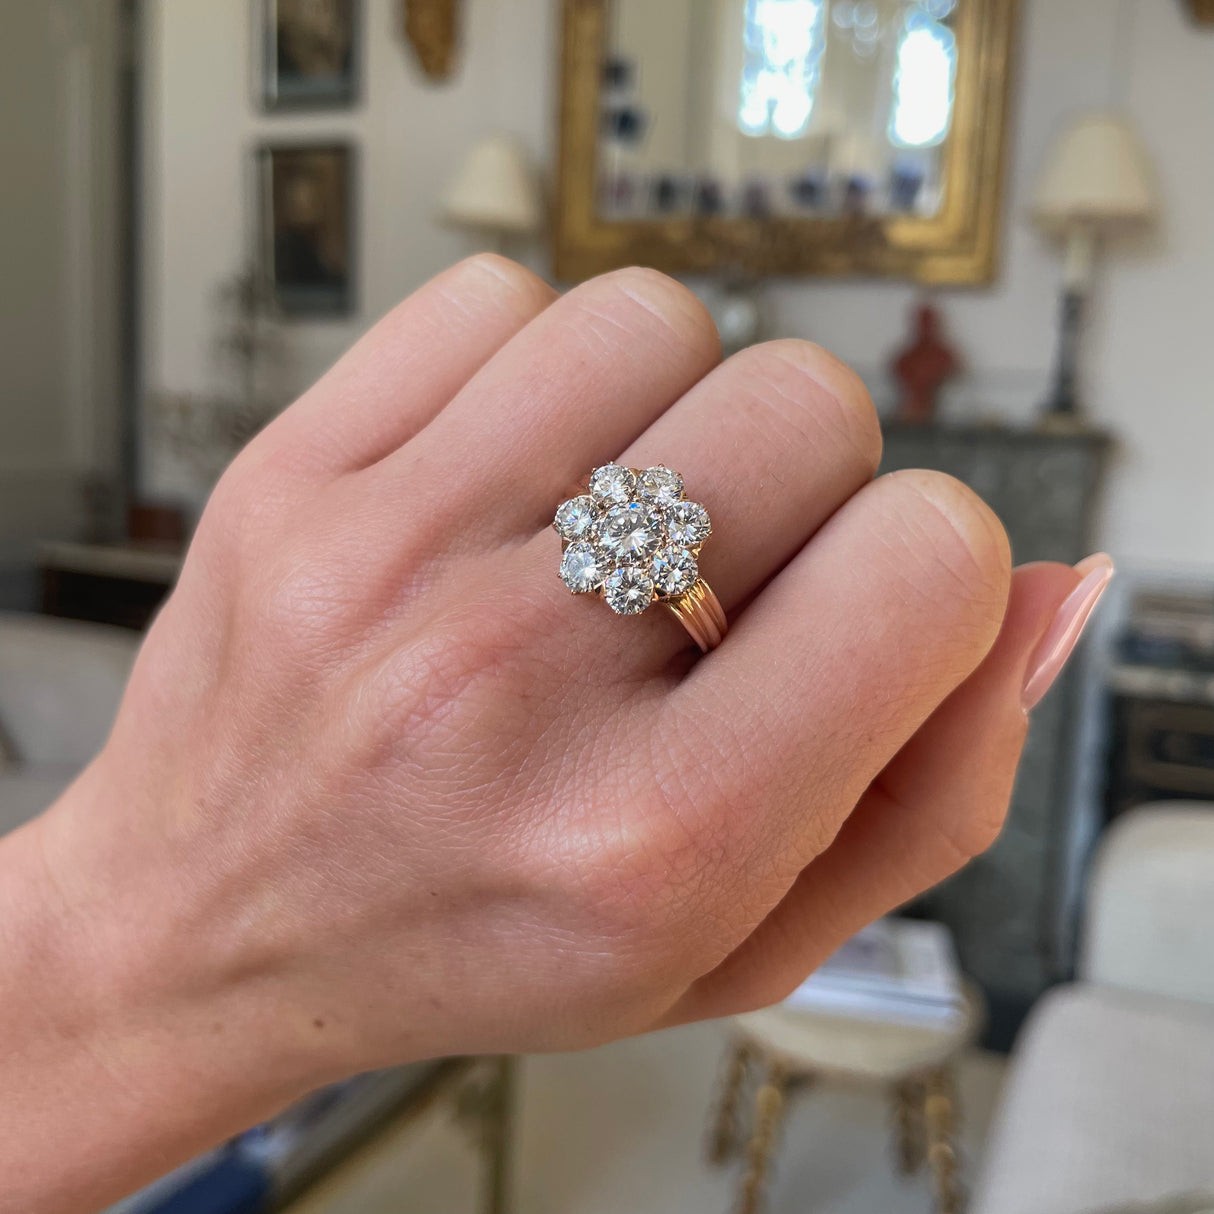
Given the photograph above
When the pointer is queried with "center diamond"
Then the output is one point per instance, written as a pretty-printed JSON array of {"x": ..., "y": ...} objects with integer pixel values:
[{"x": 630, "y": 532}]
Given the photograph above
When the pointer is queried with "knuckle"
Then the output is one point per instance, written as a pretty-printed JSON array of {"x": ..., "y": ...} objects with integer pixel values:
[
  {"x": 448, "y": 698},
  {"x": 982, "y": 831},
  {"x": 663, "y": 299},
  {"x": 630, "y": 879},
  {"x": 965, "y": 836},
  {"x": 949, "y": 836},
  {"x": 235, "y": 491},
  {"x": 263, "y": 481},
  {"x": 649, "y": 881},
  {"x": 697, "y": 802},
  {"x": 505, "y": 277},
  {"x": 963, "y": 533},
  {"x": 635, "y": 956},
  {"x": 241, "y": 504},
  {"x": 303, "y": 608},
  {"x": 224, "y": 509},
  {"x": 416, "y": 691},
  {"x": 690, "y": 876},
  {"x": 816, "y": 393}
]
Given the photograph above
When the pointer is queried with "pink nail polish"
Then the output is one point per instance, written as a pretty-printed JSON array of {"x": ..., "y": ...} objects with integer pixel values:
[{"x": 1065, "y": 629}]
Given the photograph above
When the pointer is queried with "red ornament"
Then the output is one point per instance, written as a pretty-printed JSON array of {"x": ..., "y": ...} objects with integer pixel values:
[{"x": 922, "y": 368}]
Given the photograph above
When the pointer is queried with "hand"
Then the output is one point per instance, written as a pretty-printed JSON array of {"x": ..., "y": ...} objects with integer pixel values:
[{"x": 381, "y": 789}]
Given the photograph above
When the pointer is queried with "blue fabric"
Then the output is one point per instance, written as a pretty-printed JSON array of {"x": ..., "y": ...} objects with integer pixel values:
[{"x": 231, "y": 1186}]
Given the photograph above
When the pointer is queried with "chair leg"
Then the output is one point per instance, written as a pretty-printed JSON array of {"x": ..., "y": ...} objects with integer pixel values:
[
  {"x": 770, "y": 1106},
  {"x": 940, "y": 1113},
  {"x": 498, "y": 1143},
  {"x": 910, "y": 1132},
  {"x": 723, "y": 1136}
]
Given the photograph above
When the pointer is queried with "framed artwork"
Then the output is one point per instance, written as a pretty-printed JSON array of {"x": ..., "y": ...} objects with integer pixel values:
[
  {"x": 311, "y": 53},
  {"x": 306, "y": 204}
]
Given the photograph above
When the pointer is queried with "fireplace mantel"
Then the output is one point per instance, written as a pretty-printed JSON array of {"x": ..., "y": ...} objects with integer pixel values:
[{"x": 1005, "y": 906}]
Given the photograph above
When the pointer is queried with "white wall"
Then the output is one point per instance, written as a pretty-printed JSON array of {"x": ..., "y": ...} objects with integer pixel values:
[
  {"x": 1151, "y": 338},
  {"x": 202, "y": 127}
]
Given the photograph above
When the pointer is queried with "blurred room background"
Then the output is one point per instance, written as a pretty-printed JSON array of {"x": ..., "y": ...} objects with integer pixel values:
[{"x": 1000, "y": 213}]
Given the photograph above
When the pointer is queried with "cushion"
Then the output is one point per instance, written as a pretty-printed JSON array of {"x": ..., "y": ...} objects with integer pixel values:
[
  {"x": 1151, "y": 901},
  {"x": 1109, "y": 1102},
  {"x": 60, "y": 683}
]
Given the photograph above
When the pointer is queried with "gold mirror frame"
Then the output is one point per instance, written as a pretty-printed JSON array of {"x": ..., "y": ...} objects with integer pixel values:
[{"x": 959, "y": 245}]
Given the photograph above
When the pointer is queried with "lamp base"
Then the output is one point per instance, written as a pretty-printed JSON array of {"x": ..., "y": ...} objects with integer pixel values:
[{"x": 1062, "y": 406}]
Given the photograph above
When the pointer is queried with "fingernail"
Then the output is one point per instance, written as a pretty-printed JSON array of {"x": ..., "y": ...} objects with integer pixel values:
[{"x": 1066, "y": 628}]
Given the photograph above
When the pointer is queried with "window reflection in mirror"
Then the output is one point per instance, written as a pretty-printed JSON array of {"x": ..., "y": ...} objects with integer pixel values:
[{"x": 757, "y": 108}]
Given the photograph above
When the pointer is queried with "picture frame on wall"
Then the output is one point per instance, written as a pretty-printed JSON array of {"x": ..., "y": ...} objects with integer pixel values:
[
  {"x": 311, "y": 53},
  {"x": 306, "y": 227}
]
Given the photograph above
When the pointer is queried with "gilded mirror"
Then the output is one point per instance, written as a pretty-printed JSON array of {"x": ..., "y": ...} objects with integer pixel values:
[{"x": 856, "y": 137}]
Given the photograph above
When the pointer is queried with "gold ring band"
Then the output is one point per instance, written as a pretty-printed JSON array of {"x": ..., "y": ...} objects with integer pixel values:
[{"x": 701, "y": 613}]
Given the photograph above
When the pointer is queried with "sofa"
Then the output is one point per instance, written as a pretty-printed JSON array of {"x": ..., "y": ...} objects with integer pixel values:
[
  {"x": 1109, "y": 1101},
  {"x": 60, "y": 683}
]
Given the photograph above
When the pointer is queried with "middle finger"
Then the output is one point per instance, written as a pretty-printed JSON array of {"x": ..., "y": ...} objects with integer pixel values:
[{"x": 571, "y": 389}]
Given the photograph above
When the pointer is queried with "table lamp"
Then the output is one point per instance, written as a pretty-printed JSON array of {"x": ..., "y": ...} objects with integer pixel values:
[
  {"x": 1095, "y": 186},
  {"x": 494, "y": 195}
]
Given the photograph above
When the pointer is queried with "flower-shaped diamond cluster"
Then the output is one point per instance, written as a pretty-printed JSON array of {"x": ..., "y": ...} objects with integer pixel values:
[{"x": 634, "y": 538}]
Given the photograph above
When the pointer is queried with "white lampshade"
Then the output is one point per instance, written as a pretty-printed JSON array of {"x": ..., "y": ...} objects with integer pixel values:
[
  {"x": 1097, "y": 176},
  {"x": 494, "y": 190}
]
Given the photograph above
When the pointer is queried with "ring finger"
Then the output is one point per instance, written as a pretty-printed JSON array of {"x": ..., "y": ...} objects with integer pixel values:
[{"x": 772, "y": 443}]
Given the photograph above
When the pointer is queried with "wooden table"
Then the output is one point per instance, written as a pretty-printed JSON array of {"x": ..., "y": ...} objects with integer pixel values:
[{"x": 122, "y": 584}]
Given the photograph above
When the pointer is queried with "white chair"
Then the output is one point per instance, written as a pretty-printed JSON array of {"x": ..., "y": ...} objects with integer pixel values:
[
  {"x": 60, "y": 683},
  {"x": 1110, "y": 1097}
]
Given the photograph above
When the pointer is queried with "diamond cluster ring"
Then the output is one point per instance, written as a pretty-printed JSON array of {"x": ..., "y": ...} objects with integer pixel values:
[{"x": 635, "y": 539}]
